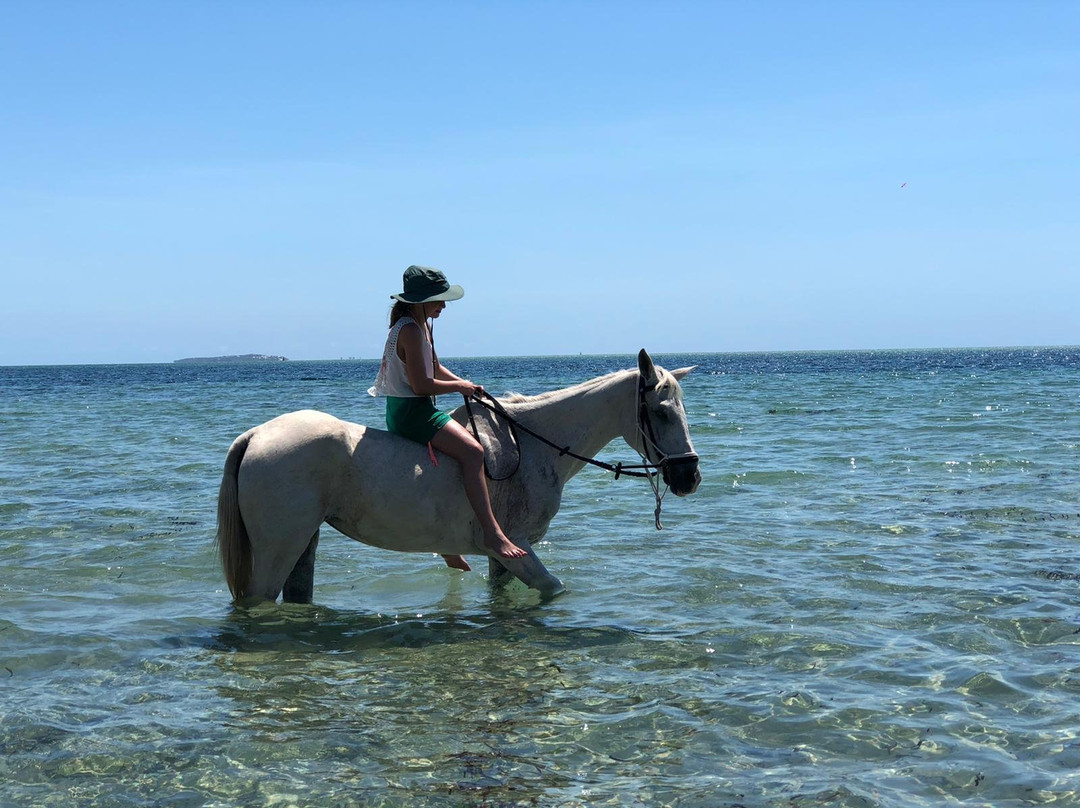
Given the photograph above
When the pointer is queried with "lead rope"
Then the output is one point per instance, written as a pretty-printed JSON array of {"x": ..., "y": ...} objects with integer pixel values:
[
  {"x": 619, "y": 469},
  {"x": 498, "y": 409},
  {"x": 659, "y": 499}
]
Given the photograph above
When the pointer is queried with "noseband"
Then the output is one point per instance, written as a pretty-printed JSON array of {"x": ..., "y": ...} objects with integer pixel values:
[{"x": 648, "y": 469}]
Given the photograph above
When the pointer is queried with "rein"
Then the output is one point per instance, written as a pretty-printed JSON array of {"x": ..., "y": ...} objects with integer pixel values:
[{"x": 647, "y": 470}]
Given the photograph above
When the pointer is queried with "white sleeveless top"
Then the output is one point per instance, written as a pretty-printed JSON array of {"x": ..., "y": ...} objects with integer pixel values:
[{"x": 393, "y": 379}]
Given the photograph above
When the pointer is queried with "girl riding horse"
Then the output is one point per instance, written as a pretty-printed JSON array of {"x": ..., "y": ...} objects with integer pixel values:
[{"x": 411, "y": 376}]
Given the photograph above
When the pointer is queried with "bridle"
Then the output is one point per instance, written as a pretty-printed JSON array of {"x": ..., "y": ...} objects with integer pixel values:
[
  {"x": 650, "y": 469},
  {"x": 648, "y": 440}
]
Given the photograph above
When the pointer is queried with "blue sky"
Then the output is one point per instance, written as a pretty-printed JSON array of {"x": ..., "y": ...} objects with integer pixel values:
[{"x": 201, "y": 178}]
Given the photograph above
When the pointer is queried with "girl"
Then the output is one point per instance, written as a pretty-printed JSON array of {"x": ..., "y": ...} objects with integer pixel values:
[{"x": 411, "y": 375}]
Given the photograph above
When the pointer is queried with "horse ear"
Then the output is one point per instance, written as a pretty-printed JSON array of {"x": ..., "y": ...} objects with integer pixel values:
[
  {"x": 646, "y": 368},
  {"x": 682, "y": 373}
]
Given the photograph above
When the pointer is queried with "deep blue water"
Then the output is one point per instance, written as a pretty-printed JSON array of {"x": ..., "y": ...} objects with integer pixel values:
[{"x": 872, "y": 600}]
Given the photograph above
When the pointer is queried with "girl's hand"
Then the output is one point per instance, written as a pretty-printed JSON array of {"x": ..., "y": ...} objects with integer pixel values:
[{"x": 470, "y": 390}]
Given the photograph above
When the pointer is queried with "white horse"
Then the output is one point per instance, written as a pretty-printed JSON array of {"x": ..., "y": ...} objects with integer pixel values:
[{"x": 283, "y": 479}]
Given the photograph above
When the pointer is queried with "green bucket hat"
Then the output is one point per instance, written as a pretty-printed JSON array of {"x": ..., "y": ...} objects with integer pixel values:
[{"x": 426, "y": 285}]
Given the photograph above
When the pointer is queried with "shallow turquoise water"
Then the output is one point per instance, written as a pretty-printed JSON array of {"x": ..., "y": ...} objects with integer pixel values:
[{"x": 872, "y": 600}]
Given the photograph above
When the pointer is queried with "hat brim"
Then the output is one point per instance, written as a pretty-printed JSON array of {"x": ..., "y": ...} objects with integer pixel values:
[{"x": 455, "y": 292}]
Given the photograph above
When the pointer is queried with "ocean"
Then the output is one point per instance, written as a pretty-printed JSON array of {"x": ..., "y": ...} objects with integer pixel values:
[{"x": 872, "y": 600}]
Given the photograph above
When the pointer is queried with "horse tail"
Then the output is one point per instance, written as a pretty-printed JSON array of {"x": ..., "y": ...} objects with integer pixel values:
[{"x": 232, "y": 537}]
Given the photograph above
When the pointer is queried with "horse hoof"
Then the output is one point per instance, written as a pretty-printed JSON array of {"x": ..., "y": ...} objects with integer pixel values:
[{"x": 550, "y": 593}]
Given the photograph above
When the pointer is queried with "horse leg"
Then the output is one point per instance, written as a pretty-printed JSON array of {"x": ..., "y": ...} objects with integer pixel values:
[
  {"x": 498, "y": 575},
  {"x": 283, "y": 542},
  {"x": 300, "y": 585},
  {"x": 531, "y": 571}
]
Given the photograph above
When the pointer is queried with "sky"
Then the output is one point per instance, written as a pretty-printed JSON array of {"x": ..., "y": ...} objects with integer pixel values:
[{"x": 203, "y": 178}]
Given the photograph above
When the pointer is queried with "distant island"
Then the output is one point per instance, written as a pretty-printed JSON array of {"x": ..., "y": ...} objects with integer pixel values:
[{"x": 250, "y": 357}]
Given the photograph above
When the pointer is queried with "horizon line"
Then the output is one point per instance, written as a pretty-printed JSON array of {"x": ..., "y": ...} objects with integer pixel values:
[{"x": 275, "y": 357}]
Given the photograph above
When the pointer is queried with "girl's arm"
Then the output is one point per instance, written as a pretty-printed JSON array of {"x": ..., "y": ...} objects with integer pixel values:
[
  {"x": 423, "y": 379},
  {"x": 444, "y": 373}
]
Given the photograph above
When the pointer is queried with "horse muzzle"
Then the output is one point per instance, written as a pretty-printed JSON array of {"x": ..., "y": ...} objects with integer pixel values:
[{"x": 681, "y": 473}]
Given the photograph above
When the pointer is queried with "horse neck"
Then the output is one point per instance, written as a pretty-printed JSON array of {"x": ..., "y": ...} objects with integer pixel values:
[{"x": 585, "y": 418}]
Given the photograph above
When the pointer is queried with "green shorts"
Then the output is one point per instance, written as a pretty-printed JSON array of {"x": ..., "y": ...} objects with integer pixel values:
[{"x": 414, "y": 418}]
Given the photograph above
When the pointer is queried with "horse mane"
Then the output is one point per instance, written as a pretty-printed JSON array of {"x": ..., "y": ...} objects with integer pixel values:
[
  {"x": 666, "y": 380},
  {"x": 520, "y": 398}
]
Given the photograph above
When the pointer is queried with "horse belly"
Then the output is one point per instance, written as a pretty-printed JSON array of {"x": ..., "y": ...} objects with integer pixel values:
[
  {"x": 416, "y": 529},
  {"x": 405, "y": 503}
]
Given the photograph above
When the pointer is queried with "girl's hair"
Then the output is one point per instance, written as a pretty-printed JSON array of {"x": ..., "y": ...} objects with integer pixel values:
[{"x": 400, "y": 309}]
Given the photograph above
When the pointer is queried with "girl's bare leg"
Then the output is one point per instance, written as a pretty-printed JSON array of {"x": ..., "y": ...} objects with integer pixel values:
[{"x": 454, "y": 440}]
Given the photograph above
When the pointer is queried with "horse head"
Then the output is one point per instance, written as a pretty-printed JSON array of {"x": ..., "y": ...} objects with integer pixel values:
[{"x": 661, "y": 433}]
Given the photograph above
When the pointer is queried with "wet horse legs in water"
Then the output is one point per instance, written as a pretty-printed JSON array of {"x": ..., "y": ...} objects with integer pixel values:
[
  {"x": 300, "y": 585},
  {"x": 498, "y": 575}
]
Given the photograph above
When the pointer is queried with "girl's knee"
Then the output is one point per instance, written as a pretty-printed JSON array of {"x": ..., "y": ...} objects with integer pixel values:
[
  {"x": 462, "y": 446},
  {"x": 473, "y": 452}
]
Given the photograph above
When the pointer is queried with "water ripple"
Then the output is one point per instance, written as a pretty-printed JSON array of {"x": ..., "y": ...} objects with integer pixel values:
[{"x": 869, "y": 602}]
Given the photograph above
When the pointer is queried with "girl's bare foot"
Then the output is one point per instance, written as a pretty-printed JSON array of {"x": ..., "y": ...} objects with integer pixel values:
[
  {"x": 457, "y": 562},
  {"x": 503, "y": 547}
]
